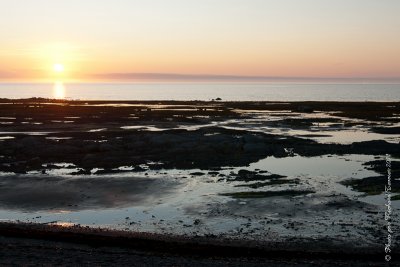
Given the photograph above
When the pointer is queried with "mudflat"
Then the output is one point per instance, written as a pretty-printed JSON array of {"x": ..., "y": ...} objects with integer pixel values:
[{"x": 213, "y": 179}]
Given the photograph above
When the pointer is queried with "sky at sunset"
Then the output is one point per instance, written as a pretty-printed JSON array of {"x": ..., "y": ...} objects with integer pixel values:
[{"x": 95, "y": 40}]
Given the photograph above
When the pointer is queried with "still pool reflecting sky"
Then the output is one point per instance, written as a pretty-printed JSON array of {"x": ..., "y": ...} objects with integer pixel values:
[{"x": 172, "y": 200}]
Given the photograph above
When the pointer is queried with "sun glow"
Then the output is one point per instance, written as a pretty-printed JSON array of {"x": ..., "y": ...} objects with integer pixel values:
[
  {"x": 58, "y": 67},
  {"x": 58, "y": 61}
]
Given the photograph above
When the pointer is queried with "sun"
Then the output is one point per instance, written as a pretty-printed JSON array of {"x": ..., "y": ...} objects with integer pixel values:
[{"x": 58, "y": 67}]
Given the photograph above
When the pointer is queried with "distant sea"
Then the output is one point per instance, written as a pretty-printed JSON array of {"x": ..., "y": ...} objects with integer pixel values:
[{"x": 204, "y": 91}]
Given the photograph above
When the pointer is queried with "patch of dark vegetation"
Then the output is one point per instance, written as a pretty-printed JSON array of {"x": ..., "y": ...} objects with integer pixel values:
[
  {"x": 301, "y": 123},
  {"x": 248, "y": 176},
  {"x": 380, "y": 167},
  {"x": 344, "y": 203},
  {"x": 81, "y": 172},
  {"x": 111, "y": 171},
  {"x": 305, "y": 109},
  {"x": 197, "y": 173},
  {"x": 372, "y": 185},
  {"x": 266, "y": 194},
  {"x": 386, "y": 130},
  {"x": 314, "y": 135},
  {"x": 292, "y": 123},
  {"x": 396, "y": 197},
  {"x": 271, "y": 182}
]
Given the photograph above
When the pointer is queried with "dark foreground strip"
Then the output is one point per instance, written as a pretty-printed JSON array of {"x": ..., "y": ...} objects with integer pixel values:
[{"x": 193, "y": 246}]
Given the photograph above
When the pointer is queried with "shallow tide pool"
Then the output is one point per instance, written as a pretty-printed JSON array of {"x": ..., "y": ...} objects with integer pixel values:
[{"x": 192, "y": 201}]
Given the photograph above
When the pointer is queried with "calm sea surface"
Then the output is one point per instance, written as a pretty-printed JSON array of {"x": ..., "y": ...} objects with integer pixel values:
[{"x": 204, "y": 91}]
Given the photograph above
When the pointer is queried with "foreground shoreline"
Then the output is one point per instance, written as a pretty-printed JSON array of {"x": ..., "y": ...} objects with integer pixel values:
[{"x": 299, "y": 250}]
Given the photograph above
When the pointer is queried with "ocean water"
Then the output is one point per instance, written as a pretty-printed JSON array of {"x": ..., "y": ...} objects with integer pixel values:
[{"x": 239, "y": 91}]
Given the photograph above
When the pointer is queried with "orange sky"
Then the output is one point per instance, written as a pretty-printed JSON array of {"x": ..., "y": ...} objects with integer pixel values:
[{"x": 96, "y": 39}]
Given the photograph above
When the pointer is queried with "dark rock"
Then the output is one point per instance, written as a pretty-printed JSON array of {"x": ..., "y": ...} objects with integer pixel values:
[
  {"x": 82, "y": 172},
  {"x": 373, "y": 185},
  {"x": 197, "y": 173},
  {"x": 386, "y": 130},
  {"x": 305, "y": 109}
]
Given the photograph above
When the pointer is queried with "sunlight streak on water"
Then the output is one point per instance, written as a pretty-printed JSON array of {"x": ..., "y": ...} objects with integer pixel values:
[{"x": 59, "y": 90}]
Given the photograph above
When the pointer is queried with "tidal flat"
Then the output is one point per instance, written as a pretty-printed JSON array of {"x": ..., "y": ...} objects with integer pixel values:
[{"x": 287, "y": 176}]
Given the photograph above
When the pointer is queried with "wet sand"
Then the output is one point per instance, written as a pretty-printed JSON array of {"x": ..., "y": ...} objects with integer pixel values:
[{"x": 66, "y": 157}]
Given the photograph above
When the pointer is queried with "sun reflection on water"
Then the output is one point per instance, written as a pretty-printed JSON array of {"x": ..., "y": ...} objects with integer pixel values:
[{"x": 59, "y": 90}]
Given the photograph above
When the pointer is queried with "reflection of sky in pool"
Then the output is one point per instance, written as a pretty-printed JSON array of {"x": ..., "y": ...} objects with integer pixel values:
[{"x": 172, "y": 200}]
